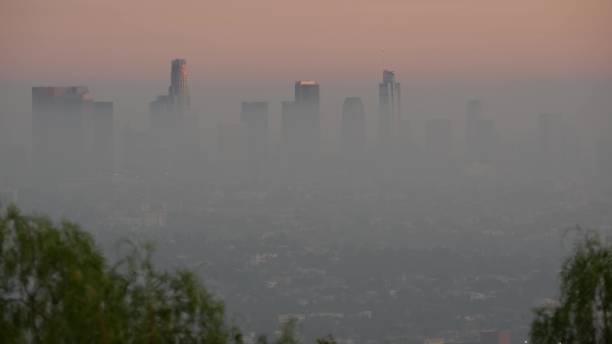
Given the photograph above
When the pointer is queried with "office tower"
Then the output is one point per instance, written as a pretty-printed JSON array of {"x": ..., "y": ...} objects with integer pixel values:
[
  {"x": 307, "y": 93},
  {"x": 301, "y": 120},
  {"x": 254, "y": 119},
  {"x": 58, "y": 130},
  {"x": 103, "y": 138},
  {"x": 438, "y": 138},
  {"x": 166, "y": 111},
  {"x": 480, "y": 134},
  {"x": 353, "y": 130},
  {"x": 178, "y": 90},
  {"x": 389, "y": 108}
]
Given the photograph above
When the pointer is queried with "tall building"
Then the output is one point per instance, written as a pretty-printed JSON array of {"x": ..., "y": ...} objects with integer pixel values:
[
  {"x": 166, "y": 111},
  {"x": 307, "y": 93},
  {"x": 254, "y": 118},
  {"x": 59, "y": 117},
  {"x": 301, "y": 120},
  {"x": 389, "y": 108},
  {"x": 178, "y": 90},
  {"x": 353, "y": 130},
  {"x": 103, "y": 138}
]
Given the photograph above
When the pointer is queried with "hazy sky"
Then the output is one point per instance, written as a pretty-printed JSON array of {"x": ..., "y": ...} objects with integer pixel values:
[{"x": 63, "y": 41}]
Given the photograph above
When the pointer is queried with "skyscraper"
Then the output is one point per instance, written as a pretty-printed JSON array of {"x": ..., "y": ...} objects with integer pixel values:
[
  {"x": 301, "y": 120},
  {"x": 178, "y": 90},
  {"x": 353, "y": 131},
  {"x": 307, "y": 93},
  {"x": 59, "y": 116},
  {"x": 389, "y": 108},
  {"x": 166, "y": 111}
]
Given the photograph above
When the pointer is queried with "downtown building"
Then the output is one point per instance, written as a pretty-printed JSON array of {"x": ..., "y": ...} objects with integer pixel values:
[
  {"x": 301, "y": 127},
  {"x": 72, "y": 135},
  {"x": 168, "y": 111},
  {"x": 172, "y": 144},
  {"x": 389, "y": 110}
]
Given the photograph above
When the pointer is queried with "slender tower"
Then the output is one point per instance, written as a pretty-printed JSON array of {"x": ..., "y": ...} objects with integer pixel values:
[
  {"x": 301, "y": 119},
  {"x": 389, "y": 107},
  {"x": 178, "y": 90}
]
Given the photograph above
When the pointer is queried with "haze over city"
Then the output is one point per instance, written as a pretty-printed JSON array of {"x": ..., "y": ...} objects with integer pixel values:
[{"x": 383, "y": 171}]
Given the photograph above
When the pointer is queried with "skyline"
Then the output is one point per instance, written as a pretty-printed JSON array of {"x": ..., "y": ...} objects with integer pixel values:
[
  {"x": 377, "y": 171},
  {"x": 336, "y": 40}
]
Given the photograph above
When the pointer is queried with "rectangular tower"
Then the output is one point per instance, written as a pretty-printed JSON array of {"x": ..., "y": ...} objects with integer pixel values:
[
  {"x": 389, "y": 108},
  {"x": 301, "y": 120},
  {"x": 59, "y": 117},
  {"x": 178, "y": 90}
]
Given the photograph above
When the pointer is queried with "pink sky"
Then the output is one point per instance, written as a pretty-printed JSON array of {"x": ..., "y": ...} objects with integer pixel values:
[{"x": 68, "y": 40}]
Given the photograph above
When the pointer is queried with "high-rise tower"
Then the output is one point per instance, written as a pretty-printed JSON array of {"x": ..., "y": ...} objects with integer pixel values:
[
  {"x": 178, "y": 90},
  {"x": 389, "y": 108},
  {"x": 301, "y": 119},
  {"x": 65, "y": 123},
  {"x": 166, "y": 110}
]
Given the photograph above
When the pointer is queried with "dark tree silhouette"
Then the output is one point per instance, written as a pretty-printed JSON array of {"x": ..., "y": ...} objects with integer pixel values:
[
  {"x": 584, "y": 312},
  {"x": 56, "y": 286}
]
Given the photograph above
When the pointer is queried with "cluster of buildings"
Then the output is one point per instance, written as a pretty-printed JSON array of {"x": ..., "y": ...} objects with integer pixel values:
[{"x": 74, "y": 135}]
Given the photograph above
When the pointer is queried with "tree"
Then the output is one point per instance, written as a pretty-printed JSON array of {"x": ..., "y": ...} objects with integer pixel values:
[
  {"x": 287, "y": 334},
  {"x": 56, "y": 286},
  {"x": 584, "y": 312}
]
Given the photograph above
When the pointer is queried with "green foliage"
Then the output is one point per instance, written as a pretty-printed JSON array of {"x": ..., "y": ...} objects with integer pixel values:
[
  {"x": 584, "y": 313},
  {"x": 287, "y": 335},
  {"x": 56, "y": 287}
]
